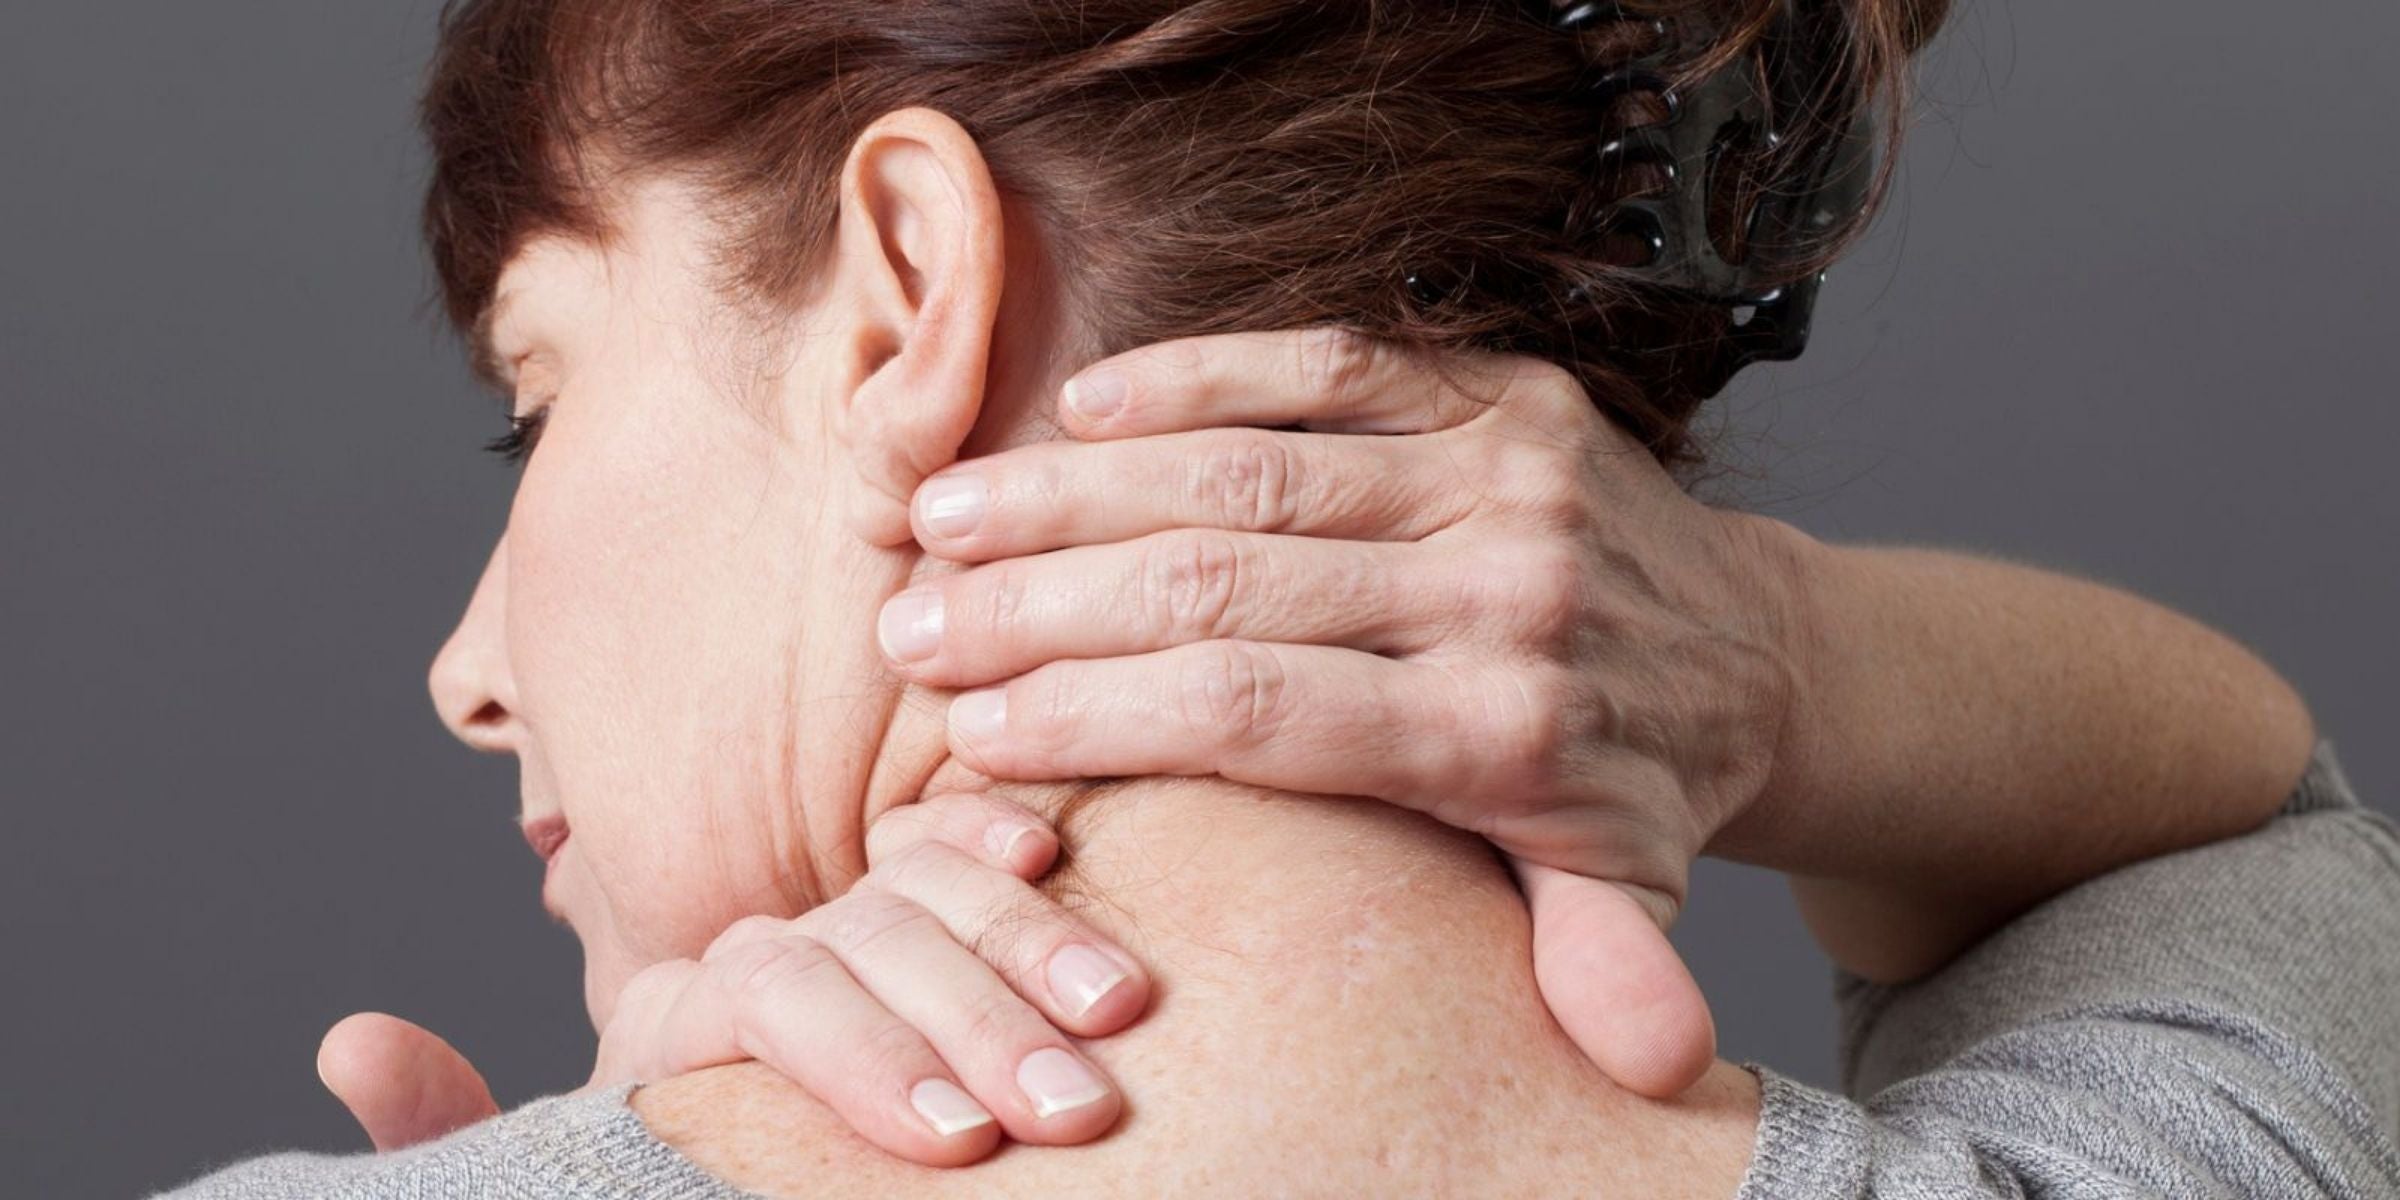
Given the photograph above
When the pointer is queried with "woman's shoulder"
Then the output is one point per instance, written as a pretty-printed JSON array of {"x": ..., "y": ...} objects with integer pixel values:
[
  {"x": 746, "y": 1124},
  {"x": 577, "y": 1145}
]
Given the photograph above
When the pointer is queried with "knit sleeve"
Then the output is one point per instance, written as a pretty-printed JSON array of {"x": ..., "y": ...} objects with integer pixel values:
[
  {"x": 2220, "y": 1022},
  {"x": 581, "y": 1147}
]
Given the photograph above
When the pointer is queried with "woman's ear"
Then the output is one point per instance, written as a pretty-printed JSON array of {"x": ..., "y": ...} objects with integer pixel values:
[{"x": 918, "y": 268}]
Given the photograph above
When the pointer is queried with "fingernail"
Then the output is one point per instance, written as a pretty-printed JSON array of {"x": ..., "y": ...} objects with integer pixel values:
[
  {"x": 1001, "y": 838},
  {"x": 1081, "y": 977},
  {"x": 1058, "y": 1082},
  {"x": 947, "y": 1107},
  {"x": 1095, "y": 395},
  {"x": 953, "y": 504},
  {"x": 980, "y": 716},
  {"x": 910, "y": 626}
]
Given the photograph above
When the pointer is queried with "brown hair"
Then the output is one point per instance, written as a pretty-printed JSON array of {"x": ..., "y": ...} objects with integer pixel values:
[{"x": 1202, "y": 166}]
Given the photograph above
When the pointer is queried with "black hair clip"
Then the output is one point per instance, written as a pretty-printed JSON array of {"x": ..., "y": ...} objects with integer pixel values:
[{"x": 1727, "y": 111}]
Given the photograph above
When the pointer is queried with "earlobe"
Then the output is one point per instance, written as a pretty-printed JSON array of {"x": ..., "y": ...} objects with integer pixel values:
[{"x": 918, "y": 272}]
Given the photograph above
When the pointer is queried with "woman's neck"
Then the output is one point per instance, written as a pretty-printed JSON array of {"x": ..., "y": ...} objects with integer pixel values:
[
  {"x": 1203, "y": 861},
  {"x": 1343, "y": 989}
]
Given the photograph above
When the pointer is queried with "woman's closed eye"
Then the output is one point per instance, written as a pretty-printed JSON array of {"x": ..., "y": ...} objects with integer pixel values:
[
  {"x": 524, "y": 432},
  {"x": 527, "y": 389}
]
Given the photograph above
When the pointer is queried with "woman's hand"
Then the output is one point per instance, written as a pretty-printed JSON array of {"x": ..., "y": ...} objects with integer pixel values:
[
  {"x": 1509, "y": 617},
  {"x": 881, "y": 1003}
]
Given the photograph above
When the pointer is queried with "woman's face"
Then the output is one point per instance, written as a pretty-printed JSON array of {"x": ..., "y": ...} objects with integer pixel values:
[{"x": 651, "y": 635}]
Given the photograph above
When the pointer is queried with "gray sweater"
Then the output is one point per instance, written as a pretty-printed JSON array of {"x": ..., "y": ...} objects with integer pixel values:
[{"x": 2221, "y": 1022}]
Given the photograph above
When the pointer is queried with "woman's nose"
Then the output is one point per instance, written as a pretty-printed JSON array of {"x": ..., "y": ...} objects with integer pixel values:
[{"x": 470, "y": 682}]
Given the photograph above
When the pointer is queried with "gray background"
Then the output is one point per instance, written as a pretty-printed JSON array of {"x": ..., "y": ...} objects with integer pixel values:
[{"x": 2128, "y": 318}]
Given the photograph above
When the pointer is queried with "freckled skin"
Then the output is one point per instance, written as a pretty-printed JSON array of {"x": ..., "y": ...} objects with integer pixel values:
[{"x": 1313, "y": 1035}]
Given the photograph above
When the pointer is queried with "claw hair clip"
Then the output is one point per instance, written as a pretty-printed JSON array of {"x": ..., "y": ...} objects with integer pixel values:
[{"x": 1738, "y": 110}]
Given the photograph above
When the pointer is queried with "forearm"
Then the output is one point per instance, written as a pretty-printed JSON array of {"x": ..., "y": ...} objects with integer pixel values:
[{"x": 1971, "y": 737}]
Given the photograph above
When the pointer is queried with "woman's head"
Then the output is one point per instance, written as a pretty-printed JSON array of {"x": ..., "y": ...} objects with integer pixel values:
[
  {"x": 1205, "y": 166},
  {"x": 745, "y": 263},
  {"x": 674, "y": 634}
]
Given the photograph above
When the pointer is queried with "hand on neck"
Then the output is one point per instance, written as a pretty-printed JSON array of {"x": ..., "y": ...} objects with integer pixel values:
[
  {"x": 1339, "y": 983},
  {"x": 1210, "y": 861}
]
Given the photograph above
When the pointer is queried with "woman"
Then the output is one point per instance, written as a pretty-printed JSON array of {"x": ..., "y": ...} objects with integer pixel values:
[{"x": 674, "y": 639}]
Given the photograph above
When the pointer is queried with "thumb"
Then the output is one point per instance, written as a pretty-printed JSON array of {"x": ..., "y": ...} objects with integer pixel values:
[
  {"x": 1615, "y": 984},
  {"x": 404, "y": 1085}
]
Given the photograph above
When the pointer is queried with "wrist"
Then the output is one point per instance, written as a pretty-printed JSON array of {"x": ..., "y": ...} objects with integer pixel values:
[{"x": 1796, "y": 575}]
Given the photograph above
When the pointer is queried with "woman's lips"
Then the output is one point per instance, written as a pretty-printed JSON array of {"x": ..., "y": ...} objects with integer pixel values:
[{"x": 546, "y": 835}]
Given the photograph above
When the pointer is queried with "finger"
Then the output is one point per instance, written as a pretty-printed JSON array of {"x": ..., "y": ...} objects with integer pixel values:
[
  {"x": 1079, "y": 979},
  {"x": 1005, "y": 1052},
  {"x": 403, "y": 1084},
  {"x": 795, "y": 1006},
  {"x": 671, "y": 1019},
  {"x": 1168, "y": 589},
  {"x": 1303, "y": 718},
  {"x": 1615, "y": 983},
  {"x": 1051, "y": 494},
  {"x": 1323, "y": 377},
  {"x": 997, "y": 832}
]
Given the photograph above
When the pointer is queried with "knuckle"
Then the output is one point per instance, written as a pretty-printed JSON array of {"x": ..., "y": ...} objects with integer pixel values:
[
  {"x": 650, "y": 987},
  {"x": 1540, "y": 384},
  {"x": 1336, "y": 362},
  {"x": 1246, "y": 480},
  {"x": 1045, "y": 482},
  {"x": 902, "y": 827},
  {"x": 1543, "y": 377},
  {"x": 893, "y": 1049},
  {"x": 946, "y": 821},
  {"x": 1536, "y": 592},
  {"x": 996, "y": 1017},
  {"x": 1547, "y": 482},
  {"x": 763, "y": 980},
  {"x": 914, "y": 870},
  {"x": 1535, "y": 727},
  {"x": 1233, "y": 693},
  {"x": 742, "y": 932},
  {"x": 1042, "y": 706},
  {"x": 975, "y": 812},
  {"x": 997, "y": 600},
  {"x": 862, "y": 921},
  {"x": 1010, "y": 926},
  {"x": 1187, "y": 586}
]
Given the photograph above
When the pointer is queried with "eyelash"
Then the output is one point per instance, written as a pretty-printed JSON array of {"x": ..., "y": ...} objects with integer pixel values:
[{"x": 524, "y": 432}]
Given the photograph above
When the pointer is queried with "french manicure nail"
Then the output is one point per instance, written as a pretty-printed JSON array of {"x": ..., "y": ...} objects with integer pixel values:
[
  {"x": 1096, "y": 395},
  {"x": 980, "y": 716},
  {"x": 1058, "y": 1082},
  {"x": 910, "y": 626},
  {"x": 953, "y": 505},
  {"x": 947, "y": 1107},
  {"x": 1081, "y": 977},
  {"x": 1001, "y": 838}
]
